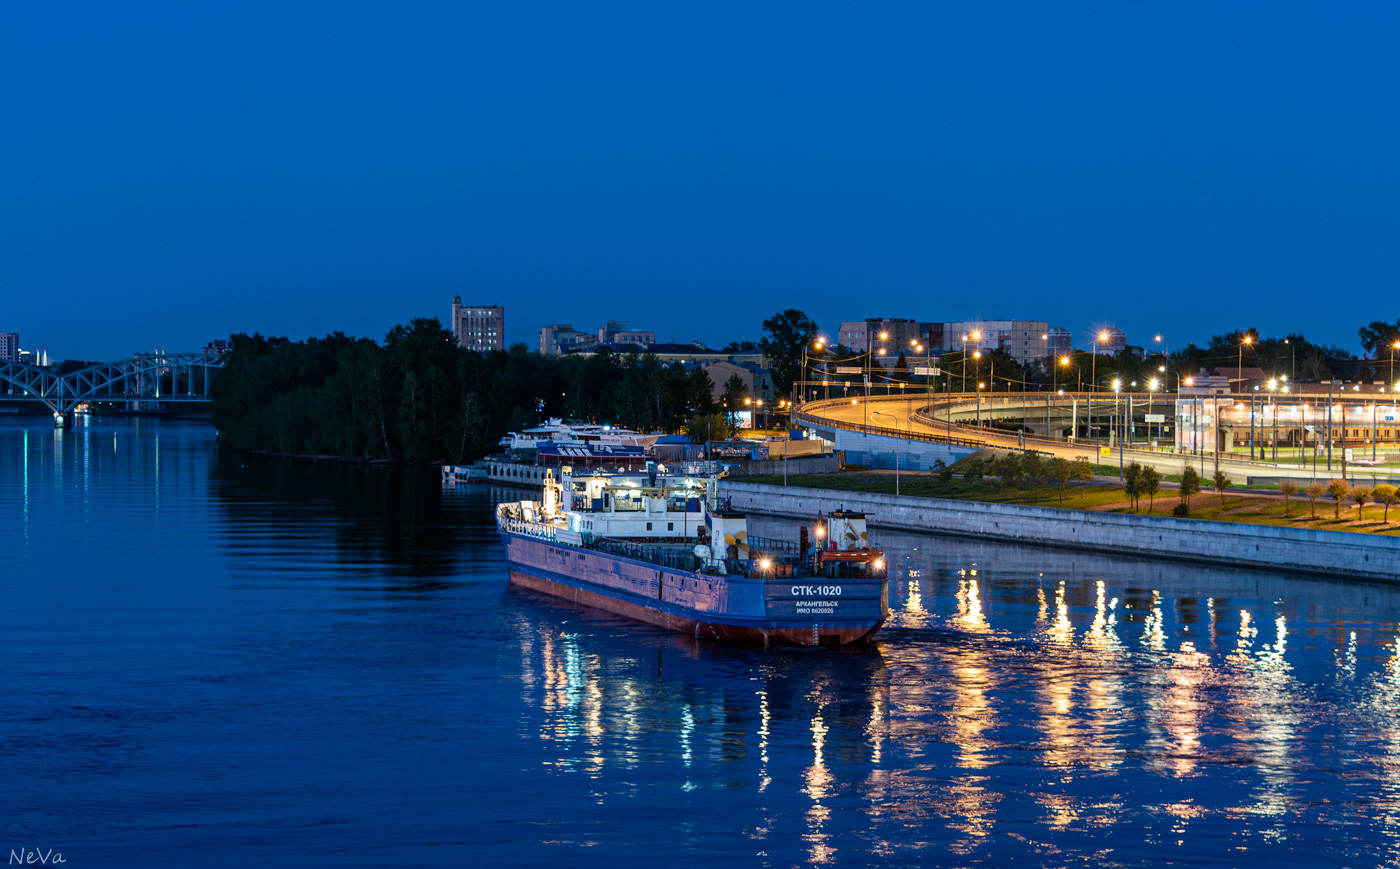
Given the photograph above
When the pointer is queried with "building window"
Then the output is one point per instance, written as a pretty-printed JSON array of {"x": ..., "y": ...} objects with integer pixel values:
[
  {"x": 670, "y": 526},
  {"x": 648, "y": 526}
]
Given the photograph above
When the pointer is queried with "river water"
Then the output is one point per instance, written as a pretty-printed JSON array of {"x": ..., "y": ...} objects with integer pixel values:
[{"x": 221, "y": 660}]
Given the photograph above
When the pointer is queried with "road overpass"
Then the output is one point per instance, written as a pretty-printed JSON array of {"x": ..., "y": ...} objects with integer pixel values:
[{"x": 953, "y": 419}]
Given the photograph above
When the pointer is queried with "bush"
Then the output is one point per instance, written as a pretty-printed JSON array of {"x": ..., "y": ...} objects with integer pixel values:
[
  {"x": 942, "y": 471},
  {"x": 1182, "y": 510}
]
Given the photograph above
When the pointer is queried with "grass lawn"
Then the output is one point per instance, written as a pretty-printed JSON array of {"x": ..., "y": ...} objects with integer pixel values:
[
  {"x": 926, "y": 485},
  {"x": 1207, "y": 505},
  {"x": 1272, "y": 511}
]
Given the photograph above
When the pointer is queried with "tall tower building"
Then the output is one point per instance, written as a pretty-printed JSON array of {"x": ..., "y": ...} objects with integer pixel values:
[
  {"x": 9, "y": 346},
  {"x": 478, "y": 327}
]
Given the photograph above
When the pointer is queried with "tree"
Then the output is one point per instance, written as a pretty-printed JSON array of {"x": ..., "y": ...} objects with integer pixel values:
[
  {"x": 1083, "y": 471},
  {"x": 1360, "y": 494},
  {"x": 1288, "y": 489},
  {"x": 1151, "y": 482},
  {"x": 708, "y": 426},
  {"x": 699, "y": 391},
  {"x": 1220, "y": 483},
  {"x": 1190, "y": 485},
  {"x": 1132, "y": 483},
  {"x": 740, "y": 347},
  {"x": 1385, "y": 494},
  {"x": 900, "y": 374},
  {"x": 1035, "y": 469},
  {"x": 788, "y": 333},
  {"x": 942, "y": 471},
  {"x": 1061, "y": 472},
  {"x": 1337, "y": 490},
  {"x": 1314, "y": 491},
  {"x": 1378, "y": 336},
  {"x": 1312, "y": 366},
  {"x": 1008, "y": 466},
  {"x": 735, "y": 391}
]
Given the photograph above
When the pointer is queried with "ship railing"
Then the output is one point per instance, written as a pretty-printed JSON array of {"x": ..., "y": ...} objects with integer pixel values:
[
  {"x": 679, "y": 559},
  {"x": 768, "y": 544},
  {"x": 538, "y": 530}
]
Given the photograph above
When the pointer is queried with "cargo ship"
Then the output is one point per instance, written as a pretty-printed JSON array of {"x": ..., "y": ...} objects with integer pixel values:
[{"x": 663, "y": 548}]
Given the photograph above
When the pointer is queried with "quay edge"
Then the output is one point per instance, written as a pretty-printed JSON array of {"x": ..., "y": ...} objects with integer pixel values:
[{"x": 1336, "y": 554}]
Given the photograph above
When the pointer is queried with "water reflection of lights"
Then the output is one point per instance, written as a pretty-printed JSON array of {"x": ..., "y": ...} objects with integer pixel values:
[
  {"x": 969, "y": 600},
  {"x": 1346, "y": 664},
  {"x": 914, "y": 601},
  {"x": 764, "y": 718},
  {"x": 972, "y": 713},
  {"x": 818, "y": 780},
  {"x": 1101, "y": 636},
  {"x": 1096, "y": 691},
  {"x": 1061, "y": 633},
  {"x": 1153, "y": 635}
]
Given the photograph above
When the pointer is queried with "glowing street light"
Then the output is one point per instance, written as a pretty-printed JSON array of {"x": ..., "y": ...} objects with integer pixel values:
[
  {"x": 1248, "y": 339},
  {"x": 1102, "y": 337}
]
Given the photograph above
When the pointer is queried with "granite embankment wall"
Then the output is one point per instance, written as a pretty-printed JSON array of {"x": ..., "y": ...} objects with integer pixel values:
[{"x": 1328, "y": 553}]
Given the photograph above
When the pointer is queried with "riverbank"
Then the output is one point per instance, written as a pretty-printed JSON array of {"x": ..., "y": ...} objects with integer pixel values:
[
  {"x": 1307, "y": 550},
  {"x": 1241, "y": 505}
]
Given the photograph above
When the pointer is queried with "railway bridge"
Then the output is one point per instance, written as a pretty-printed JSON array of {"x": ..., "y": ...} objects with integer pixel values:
[{"x": 146, "y": 381}]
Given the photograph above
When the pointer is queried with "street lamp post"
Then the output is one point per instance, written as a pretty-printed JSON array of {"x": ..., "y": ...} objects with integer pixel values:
[
  {"x": 1151, "y": 396},
  {"x": 977, "y": 366},
  {"x": 1252, "y": 427},
  {"x": 869, "y": 368},
  {"x": 1117, "y": 424},
  {"x": 1273, "y": 406},
  {"x": 802, "y": 379},
  {"x": 1094, "y": 380},
  {"x": 1248, "y": 339},
  {"x": 1329, "y": 429}
]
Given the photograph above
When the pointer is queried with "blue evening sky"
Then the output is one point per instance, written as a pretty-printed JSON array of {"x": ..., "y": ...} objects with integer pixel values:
[{"x": 175, "y": 172}]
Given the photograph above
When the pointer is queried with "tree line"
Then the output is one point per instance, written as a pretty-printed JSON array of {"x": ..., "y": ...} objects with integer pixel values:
[{"x": 418, "y": 397}]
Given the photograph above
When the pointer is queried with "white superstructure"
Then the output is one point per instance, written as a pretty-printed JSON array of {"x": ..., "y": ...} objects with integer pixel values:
[{"x": 576, "y": 434}]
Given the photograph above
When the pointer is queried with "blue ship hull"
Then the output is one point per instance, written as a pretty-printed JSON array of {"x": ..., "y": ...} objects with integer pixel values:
[{"x": 804, "y": 611}]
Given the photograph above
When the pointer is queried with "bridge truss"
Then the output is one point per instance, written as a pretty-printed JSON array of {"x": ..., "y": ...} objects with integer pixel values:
[{"x": 142, "y": 382}]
